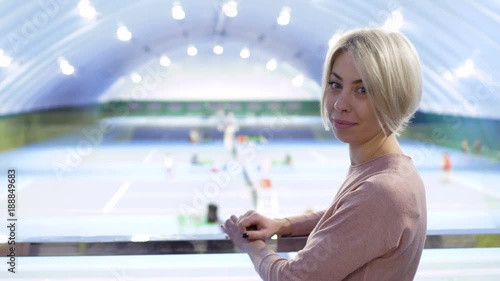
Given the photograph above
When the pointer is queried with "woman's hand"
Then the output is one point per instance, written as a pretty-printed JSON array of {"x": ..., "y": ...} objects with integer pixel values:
[
  {"x": 232, "y": 229},
  {"x": 236, "y": 228},
  {"x": 266, "y": 227}
]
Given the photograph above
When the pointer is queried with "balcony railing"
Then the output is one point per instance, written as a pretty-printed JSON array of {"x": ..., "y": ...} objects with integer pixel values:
[{"x": 204, "y": 244}]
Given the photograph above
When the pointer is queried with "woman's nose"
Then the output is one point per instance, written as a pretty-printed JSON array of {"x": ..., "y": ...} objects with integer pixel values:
[{"x": 342, "y": 102}]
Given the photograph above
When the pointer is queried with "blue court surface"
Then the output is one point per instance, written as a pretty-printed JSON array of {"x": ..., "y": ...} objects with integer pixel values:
[{"x": 68, "y": 188}]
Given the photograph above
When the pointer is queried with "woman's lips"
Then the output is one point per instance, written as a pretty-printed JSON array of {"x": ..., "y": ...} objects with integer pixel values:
[{"x": 342, "y": 124}]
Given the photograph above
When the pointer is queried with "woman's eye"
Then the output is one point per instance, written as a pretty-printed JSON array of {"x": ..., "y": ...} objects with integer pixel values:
[
  {"x": 334, "y": 85},
  {"x": 362, "y": 90}
]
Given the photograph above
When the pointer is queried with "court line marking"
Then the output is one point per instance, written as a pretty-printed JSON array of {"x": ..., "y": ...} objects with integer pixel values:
[
  {"x": 472, "y": 185},
  {"x": 149, "y": 157},
  {"x": 116, "y": 197}
]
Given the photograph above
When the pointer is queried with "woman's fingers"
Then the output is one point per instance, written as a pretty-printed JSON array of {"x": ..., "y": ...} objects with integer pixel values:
[
  {"x": 254, "y": 235},
  {"x": 246, "y": 216},
  {"x": 243, "y": 220},
  {"x": 254, "y": 220},
  {"x": 248, "y": 213},
  {"x": 234, "y": 218},
  {"x": 230, "y": 224},
  {"x": 250, "y": 226}
]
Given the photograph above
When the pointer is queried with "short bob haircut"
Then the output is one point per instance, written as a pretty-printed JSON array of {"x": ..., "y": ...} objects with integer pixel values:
[{"x": 390, "y": 69}]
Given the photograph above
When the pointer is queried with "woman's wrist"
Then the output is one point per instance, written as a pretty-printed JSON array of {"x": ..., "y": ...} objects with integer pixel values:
[
  {"x": 285, "y": 227},
  {"x": 254, "y": 245}
]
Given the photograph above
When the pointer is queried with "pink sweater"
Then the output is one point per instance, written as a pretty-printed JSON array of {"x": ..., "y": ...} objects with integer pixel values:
[{"x": 375, "y": 229}]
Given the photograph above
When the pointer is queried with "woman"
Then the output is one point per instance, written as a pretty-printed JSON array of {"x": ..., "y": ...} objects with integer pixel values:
[{"x": 376, "y": 226}]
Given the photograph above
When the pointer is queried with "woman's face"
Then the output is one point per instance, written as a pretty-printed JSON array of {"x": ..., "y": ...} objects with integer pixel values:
[{"x": 351, "y": 115}]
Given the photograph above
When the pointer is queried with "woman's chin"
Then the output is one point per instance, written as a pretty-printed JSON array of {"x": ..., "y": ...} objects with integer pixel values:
[{"x": 341, "y": 137}]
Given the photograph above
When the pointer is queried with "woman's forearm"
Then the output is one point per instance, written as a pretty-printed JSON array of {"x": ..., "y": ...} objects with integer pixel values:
[{"x": 285, "y": 227}]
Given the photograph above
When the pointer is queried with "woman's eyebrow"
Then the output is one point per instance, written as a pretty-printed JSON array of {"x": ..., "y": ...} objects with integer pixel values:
[{"x": 359, "y": 81}]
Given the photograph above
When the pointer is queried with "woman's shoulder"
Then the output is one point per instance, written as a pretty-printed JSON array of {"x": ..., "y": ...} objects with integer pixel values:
[
  {"x": 391, "y": 173},
  {"x": 398, "y": 186},
  {"x": 391, "y": 182},
  {"x": 391, "y": 177},
  {"x": 386, "y": 167},
  {"x": 385, "y": 194}
]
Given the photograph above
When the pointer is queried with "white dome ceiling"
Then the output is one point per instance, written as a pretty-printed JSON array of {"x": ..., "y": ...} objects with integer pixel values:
[{"x": 458, "y": 42}]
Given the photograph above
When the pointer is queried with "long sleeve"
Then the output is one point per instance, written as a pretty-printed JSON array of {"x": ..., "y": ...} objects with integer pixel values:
[
  {"x": 304, "y": 224},
  {"x": 374, "y": 230}
]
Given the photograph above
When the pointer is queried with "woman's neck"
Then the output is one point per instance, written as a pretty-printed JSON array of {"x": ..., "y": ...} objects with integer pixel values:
[{"x": 376, "y": 147}]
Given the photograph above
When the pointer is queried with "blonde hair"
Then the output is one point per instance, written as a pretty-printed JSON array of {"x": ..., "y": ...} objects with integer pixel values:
[{"x": 390, "y": 69}]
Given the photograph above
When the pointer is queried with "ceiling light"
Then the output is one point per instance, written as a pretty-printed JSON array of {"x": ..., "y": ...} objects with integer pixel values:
[
  {"x": 218, "y": 49},
  {"x": 466, "y": 70},
  {"x": 66, "y": 67},
  {"x": 192, "y": 51},
  {"x": 230, "y": 9},
  {"x": 271, "y": 64},
  {"x": 164, "y": 61},
  {"x": 123, "y": 33},
  {"x": 284, "y": 17},
  {"x": 394, "y": 22},
  {"x": 86, "y": 9},
  {"x": 4, "y": 60},
  {"x": 333, "y": 40},
  {"x": 245, "y": 53},
  {"x": 135, "y": 77},
  {"x": 177, "y": 11}
]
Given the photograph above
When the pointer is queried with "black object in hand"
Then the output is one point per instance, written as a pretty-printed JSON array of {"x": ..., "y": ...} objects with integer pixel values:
[{"x": 252, "y": 227}]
